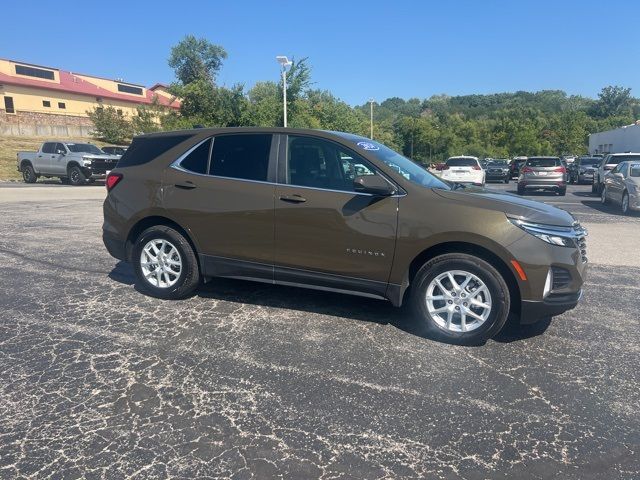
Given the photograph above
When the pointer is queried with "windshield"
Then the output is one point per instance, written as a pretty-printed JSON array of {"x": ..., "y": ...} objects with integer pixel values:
[
  {"x": 462, "y": 162},
  {"x": 543, "y": 162},
  {"x": 84, "y": 148},
  {"x": 405, "y": 167},
  {"x": 498, "y": 163}
]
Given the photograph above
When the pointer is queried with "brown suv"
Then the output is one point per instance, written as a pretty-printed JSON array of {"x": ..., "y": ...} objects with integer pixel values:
[{"x": 338, "y": 212}]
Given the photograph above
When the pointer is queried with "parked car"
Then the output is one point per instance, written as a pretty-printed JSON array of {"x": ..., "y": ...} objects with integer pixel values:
[
  {"x": 609, "y": 162},
  {"x": 191, "y": 205},
  {"x": 581, "y": 171},
  {"x": 498, "y": 170},
  {"x": 543, "y": 173},
  {"x": 463, "y": 169},
  {"x": 516, "y": 164},
  {"x": 115, "y": 150},
  {"x": 72, "y": 162},
  {"x": 622, "y": 186}
]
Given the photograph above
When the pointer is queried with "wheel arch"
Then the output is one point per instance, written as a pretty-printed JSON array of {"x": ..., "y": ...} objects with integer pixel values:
[
  {"x": 470, "y": 249},
  {"x": 25, "y": 162},
  {"x": 151, "y": 221}
]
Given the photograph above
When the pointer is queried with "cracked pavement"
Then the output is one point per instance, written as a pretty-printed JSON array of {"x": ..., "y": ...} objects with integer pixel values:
[{"x": 247, "y": 380}]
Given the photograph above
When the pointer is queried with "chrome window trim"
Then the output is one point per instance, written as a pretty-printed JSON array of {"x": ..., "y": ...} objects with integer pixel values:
[{"x": 176, "y": 164}]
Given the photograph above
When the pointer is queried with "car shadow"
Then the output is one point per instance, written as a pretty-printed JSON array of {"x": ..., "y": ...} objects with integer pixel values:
[{"x": 317, "y": 302}]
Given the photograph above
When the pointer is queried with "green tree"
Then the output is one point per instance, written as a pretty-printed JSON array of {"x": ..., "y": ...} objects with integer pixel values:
[
  {"x": 614, "y": 100},
  {"x": 110, "y": 126},
  {"x": 194, "y": 59}
]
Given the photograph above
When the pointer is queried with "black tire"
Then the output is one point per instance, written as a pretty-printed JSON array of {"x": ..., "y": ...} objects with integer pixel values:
[
  {"x": 189, "y": 276},
  {"x": 520, "y": 190},
  {"x": 64, "y": 180},
  {"x": 76, "y": 177},
  {"x": 562, "y": 192},
  {"x": 625, "y": 196},
  {"x": 506, "y": 180},
  {"x": 593, "y": 188},
  {"x": 29, "y": 174},
  {"x": 498, "y": 289},
  {"x": 603, "y": 196}
]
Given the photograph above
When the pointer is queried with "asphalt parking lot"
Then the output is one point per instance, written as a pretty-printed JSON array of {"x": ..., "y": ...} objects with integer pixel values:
[{"x": 248, "y": 380}]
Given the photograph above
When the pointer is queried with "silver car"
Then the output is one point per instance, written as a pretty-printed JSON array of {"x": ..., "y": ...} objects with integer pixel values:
[
  {"x": 622, "y": 186},
  {"x": 543, "y": 173}
]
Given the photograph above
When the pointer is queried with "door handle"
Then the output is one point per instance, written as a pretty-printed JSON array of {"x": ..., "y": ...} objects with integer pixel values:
[
  {"x": 293, "y": 199},
  {"x": 186, "y": 185}
]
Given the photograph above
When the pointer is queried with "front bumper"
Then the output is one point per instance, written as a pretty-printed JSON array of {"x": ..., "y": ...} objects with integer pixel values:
[{"x": 532, "y": 311}]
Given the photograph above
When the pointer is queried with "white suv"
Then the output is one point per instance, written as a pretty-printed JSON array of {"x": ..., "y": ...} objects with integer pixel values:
[
  {"x": 463, "y": 169},
  {"x": 610, "y": 162}
]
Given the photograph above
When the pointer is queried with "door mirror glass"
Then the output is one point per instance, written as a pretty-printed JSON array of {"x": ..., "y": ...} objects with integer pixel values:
[{"x": 373, "y": 184}]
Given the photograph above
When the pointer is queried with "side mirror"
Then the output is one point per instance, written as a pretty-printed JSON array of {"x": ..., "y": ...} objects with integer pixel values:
[
  {"x": 373, "y": 184},
  {"x": 60, "y": 152},
  {"x": 618, "y": 174}
]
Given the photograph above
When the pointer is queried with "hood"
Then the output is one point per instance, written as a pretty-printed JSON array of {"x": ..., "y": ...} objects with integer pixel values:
[{"x": 512, "y": 205}]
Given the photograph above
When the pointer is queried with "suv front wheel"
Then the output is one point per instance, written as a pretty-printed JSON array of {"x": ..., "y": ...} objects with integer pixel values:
[
  {"x": 165, "y": 264},
  {"x": 459, "y": 298}
]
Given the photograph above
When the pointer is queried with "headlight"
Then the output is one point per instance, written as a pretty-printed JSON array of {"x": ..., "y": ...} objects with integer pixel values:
[
  {"x": 86, "y": 161},
  {"x": 553, "y": 234}
]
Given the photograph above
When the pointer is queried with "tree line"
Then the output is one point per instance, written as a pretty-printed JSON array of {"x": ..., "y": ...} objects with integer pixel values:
[{"x": 502, "y": 125}]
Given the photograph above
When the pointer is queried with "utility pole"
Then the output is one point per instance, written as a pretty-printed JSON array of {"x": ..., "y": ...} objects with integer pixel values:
[
  {"x": 371, "y": 102},
  {"x": 284, "y": 63}
]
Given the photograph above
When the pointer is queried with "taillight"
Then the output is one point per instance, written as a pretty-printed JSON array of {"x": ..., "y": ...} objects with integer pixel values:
[
  {"x": 476, "y": 167},
  {"x": 112, "y": 180},
  {"x": 560, "y": 170},
  {"x": 526, "y": 170}
]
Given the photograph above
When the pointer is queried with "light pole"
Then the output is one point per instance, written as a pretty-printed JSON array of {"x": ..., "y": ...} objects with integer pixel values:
[
  {"x": 284, "y": 63},
  {"x": 371, "y": 102}
]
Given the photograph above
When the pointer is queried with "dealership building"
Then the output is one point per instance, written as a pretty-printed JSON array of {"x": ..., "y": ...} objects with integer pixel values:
[
  {"x": 619, "y": 140},
  {"x": 46, "y": 101}
]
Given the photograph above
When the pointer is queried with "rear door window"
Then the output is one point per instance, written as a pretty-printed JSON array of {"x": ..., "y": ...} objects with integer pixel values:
[
  {"x": 197, "y": 160},
  {"x": 48, "y": 147},
  {"x": 245, "y": 156}
]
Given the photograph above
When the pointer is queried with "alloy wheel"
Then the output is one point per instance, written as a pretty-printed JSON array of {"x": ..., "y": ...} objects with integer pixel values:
[
  {"x": 458, "y": 301},
  {"x": 161, "y": 263}
]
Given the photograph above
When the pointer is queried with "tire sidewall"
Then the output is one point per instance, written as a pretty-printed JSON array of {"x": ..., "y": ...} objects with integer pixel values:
[
  {"x": 28, "y": 174},
  {"x": 487, "y": 273},
  {"x": 189, "y": 263},
  {"x": 624, "y": 195},
  {"x": 81, "y": 178}
]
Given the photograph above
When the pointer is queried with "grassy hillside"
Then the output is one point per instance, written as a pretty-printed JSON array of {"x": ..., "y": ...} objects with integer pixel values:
[{"x": 9, "y": 146}]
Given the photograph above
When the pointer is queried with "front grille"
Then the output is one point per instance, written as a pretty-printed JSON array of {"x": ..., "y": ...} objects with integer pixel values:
[
  {"x": 561, "y": 278},
  {"x": 101, "y": 165}
]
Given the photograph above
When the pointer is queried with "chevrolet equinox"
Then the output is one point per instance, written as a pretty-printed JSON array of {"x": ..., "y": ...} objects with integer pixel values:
[{"x": 338, "y": 212}]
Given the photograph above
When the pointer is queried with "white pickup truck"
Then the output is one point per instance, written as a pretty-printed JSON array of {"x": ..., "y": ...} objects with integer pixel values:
[{"x": 73, "y": 162}]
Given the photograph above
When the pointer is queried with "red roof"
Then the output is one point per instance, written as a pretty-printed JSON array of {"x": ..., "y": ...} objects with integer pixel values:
[{"x": 73, "y": 84}]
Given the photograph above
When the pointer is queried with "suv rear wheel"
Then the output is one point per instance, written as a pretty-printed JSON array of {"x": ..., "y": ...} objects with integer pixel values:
[
  {"x": 165, "y": 264},
  {"x": 459, "y": 298}
]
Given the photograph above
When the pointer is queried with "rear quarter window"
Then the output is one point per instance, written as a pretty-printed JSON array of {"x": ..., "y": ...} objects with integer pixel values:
[{"x": 145, "y": 149}]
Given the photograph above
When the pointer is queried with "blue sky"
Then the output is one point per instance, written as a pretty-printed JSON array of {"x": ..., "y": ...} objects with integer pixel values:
[{"x": 357, "y": 49}]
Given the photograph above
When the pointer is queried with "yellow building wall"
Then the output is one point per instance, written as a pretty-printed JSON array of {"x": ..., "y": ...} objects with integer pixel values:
[{"x": 29, "y": 99}]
